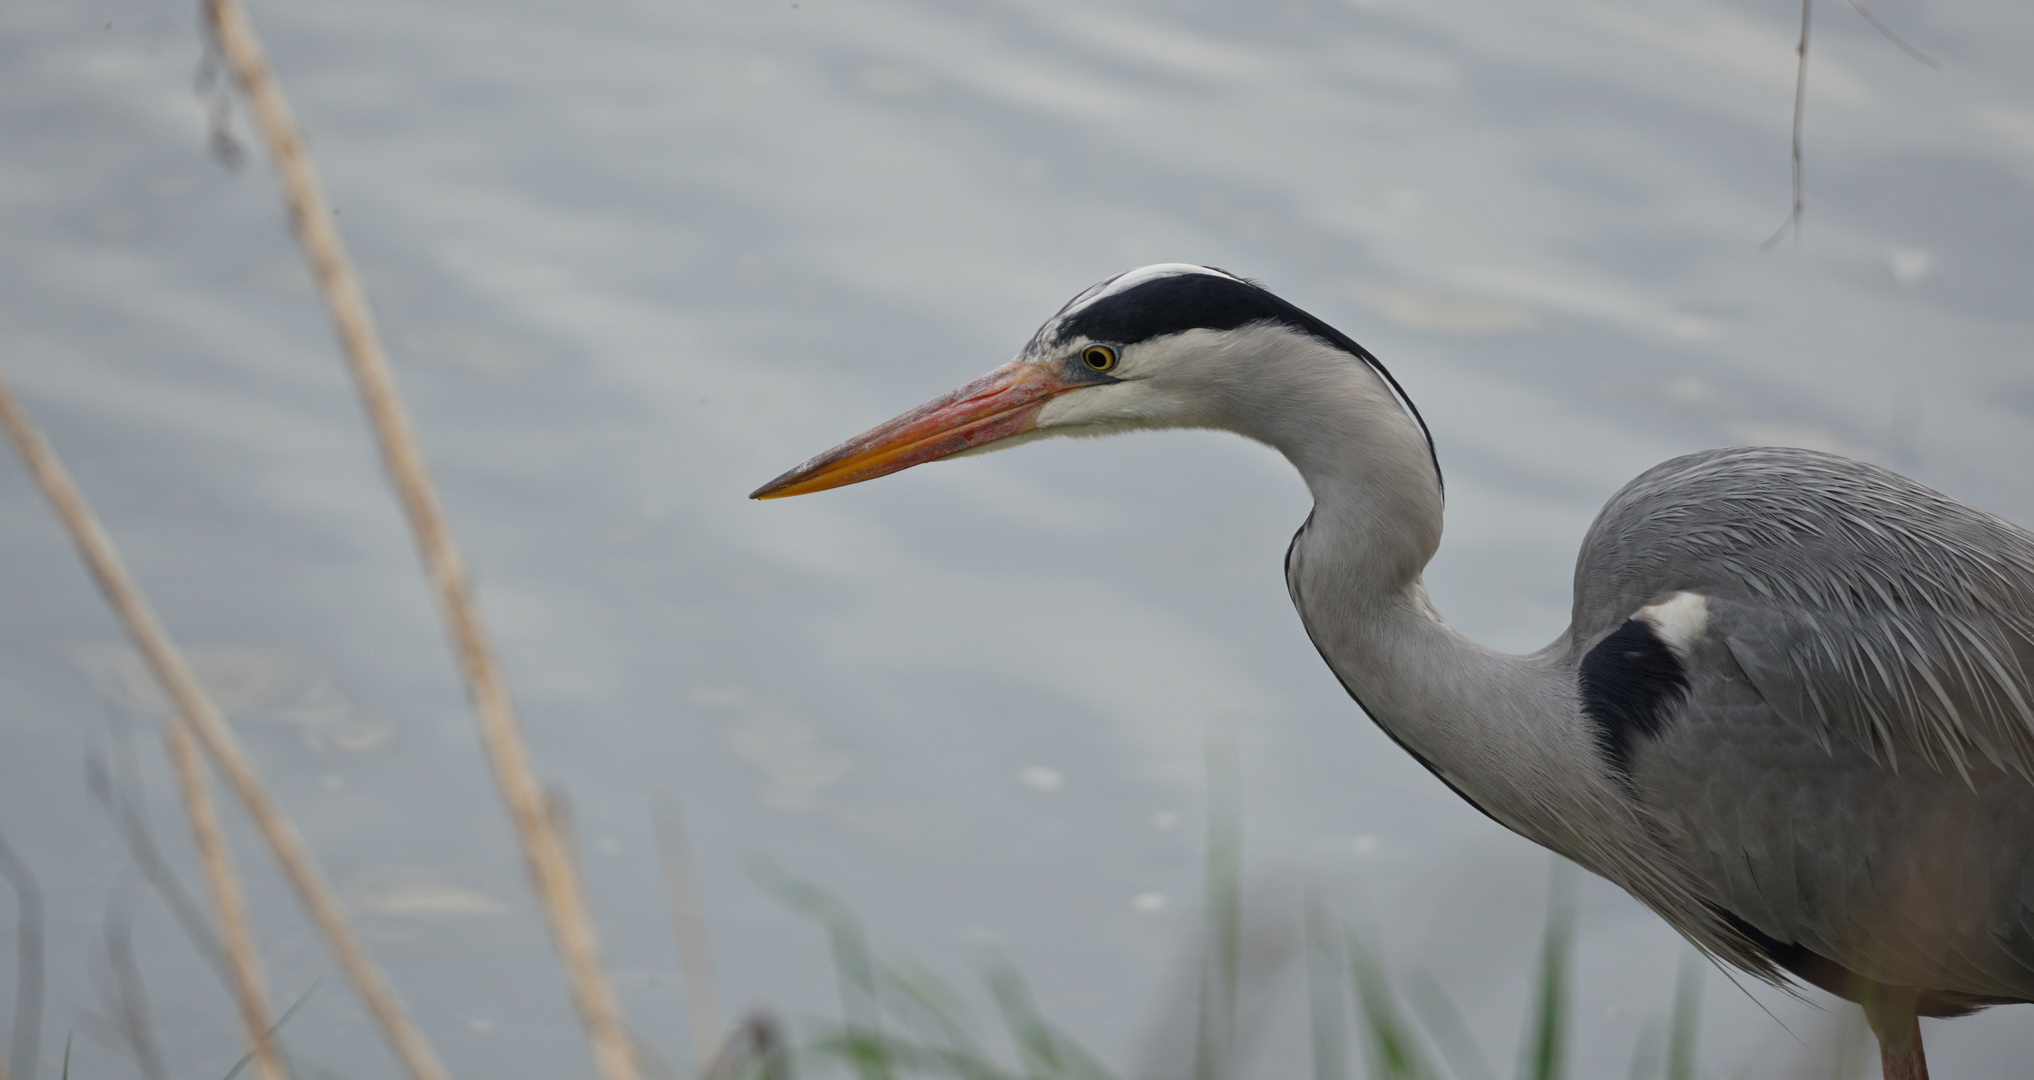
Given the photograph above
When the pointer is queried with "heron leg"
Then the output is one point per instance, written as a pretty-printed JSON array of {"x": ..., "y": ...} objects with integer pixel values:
[
  {"x": 1891, "y": 1013},
  {"x": 1912, "y": 1065}
]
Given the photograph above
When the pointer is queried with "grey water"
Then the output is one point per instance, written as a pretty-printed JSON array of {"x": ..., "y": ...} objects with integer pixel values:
[{"x": 633, "y": 259}]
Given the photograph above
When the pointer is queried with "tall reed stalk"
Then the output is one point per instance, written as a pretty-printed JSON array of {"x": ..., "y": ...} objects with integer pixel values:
[
  {"x": 236, "y": 937},
  {"x": 545, "y": 852},
  {"x": 199, "y": 716}
]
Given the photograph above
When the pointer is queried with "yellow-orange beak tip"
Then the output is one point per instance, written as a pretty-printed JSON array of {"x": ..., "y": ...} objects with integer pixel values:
[
  {"x": 1002, "y": 403},
  {"x": 785, "y": 486}
]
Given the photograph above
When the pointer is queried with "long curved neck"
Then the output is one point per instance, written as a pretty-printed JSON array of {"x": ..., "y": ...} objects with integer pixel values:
[{"x": 1505, "y": 731}]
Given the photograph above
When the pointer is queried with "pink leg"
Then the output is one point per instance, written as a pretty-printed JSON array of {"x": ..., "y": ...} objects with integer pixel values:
[
  {"x": 1911, "y": 1066},
  {"x": 1890, "y": 1010}
]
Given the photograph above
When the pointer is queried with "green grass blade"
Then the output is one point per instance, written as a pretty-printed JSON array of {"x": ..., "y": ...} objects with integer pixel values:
[
  {"x": 1648, "y": 1054},
  {"x": 925, "y": 1003},
  {"x": 854, "y": 968},
  {"x": 1225, "y": 874},
  {"x": 1394, "y": 1046},
  {"x": 1545, "y": 1050},
  {"x": 848, "y": 1048},
  {"x": 1222, "y": 963},
  {"x": 1687, "y": 1018},
  {"x": 1211, "y": 1039},
  {"x": 1444, "y": 1022},
  {"x": 1035, "y": 1044},
  {"x": 66, "y": 1074},
  {"x": 273, "y": 1029},
  {"x": 1046, "y": 1053},
  {"x": 1327, "y": 1022}
]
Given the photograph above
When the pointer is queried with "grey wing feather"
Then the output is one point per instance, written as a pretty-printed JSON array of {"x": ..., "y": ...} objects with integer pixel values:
[
  {"x": 1864, "y": 607},
  {"x": 1914, "y": 879}
]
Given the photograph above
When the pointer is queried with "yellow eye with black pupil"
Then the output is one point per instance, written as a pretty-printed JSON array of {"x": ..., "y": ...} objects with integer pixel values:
[{"x": 1099, "y": 357}]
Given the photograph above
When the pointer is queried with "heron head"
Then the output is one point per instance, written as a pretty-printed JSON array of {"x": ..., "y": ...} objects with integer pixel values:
[{"x": 1165, "y": 346}]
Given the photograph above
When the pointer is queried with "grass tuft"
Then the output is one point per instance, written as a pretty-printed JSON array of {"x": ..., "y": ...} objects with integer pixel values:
[{"x": 905, "y": 1021}]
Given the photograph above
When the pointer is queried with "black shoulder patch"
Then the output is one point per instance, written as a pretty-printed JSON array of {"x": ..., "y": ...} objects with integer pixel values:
[{"x": 1629, "y": 682}]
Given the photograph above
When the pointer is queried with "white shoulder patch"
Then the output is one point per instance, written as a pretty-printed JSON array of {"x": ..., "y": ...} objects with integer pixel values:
[{"x": 1680, "y": 620}]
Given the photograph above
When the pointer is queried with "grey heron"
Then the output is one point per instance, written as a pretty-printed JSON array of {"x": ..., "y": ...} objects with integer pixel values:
[{"x": 1793, "y": 711}]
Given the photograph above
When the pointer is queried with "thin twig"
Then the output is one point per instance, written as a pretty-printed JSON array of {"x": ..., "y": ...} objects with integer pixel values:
[
  {"x": 28, "y": 975},
  {"x": 1793, "y": 222},
  {"x": 550, "y": 866},
  {"x": 1892, "y": 37},
  {"x": 198, "y": 711},
  {"x": 688, "y": 925},
  {"x": 236, "y": 936}
]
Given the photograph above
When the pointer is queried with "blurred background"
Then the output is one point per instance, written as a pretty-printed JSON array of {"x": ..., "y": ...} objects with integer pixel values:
[{"x": 633, "y": 259}]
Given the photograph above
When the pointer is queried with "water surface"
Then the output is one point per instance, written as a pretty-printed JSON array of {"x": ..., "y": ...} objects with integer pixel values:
[{"x": 633, "y": 259}]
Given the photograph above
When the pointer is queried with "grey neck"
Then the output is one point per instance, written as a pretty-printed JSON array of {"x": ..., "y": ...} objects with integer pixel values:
[{"x": 1503, "y": 730}]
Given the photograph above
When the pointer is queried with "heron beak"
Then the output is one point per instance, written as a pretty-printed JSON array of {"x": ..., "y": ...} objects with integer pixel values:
[{"x": 1002, "y": 403}]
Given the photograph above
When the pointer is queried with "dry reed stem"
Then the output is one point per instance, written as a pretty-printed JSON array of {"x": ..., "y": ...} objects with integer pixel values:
[
  {"x": 204, "y": 720},
  {"x": 243, "y": 961},
  {"x": 688, "y": 925},
  {"x": 550, "y": 864}
]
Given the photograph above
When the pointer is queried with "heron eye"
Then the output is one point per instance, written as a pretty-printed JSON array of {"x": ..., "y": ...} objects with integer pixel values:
[{"x": 1099, "y": 357}]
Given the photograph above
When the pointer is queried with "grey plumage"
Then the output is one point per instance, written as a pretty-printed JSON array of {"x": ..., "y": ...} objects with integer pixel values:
[
  {"x": 1792, "y": 713},
  {"x": 1863, "y": 606},
  {"x": 1848, "y": 773}
]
